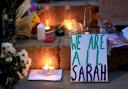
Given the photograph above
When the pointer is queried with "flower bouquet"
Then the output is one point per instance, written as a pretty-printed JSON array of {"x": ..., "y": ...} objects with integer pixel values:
[{"x": 13, "y": 65}]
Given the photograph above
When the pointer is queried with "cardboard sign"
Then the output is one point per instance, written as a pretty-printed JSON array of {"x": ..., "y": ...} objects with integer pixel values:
[
  {"x": 114, "y": 10},
  {"x": 89, "y": 58}
]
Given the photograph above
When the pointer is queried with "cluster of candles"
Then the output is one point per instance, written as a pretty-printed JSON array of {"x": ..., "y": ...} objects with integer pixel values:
[
  {"x": 71, "y": 25},
  {"x": 48, "y": 69}
]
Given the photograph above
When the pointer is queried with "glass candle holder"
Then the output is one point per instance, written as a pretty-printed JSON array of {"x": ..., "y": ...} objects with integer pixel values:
[{"x": 48, "y": 70}]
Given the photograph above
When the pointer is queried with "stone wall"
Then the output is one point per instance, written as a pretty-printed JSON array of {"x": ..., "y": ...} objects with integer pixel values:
[
  {"x": 65, "y": 57},
  {"x": 59, "y": 56},
  {"x": 57, "y": 14},
  {"x": 41, "y": 54}
]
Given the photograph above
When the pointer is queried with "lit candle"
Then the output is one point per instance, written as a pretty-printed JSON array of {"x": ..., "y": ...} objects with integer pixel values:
[
  {"x": 47, "y": 27},
  {"x": 47, "y": 69},
  {"x": 68, "y": 23},
  {"x": 86, "y": 33}
]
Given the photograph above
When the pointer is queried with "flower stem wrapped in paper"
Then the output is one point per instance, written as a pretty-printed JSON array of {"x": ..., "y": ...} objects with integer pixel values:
[{"x": 23, "y": 20}]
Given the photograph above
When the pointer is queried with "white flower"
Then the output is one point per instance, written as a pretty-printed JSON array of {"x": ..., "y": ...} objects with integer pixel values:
[
  {"x": 22, "y": 54},
  {"x": 25, "y": 72},
  {"x": 12, "y": 50},
  {"x": 5, "y": 17},
  {"x": 2, "y": 55},
  {"x": 24, "y": 57},
  {"x": 27, "y": 67},
  {"x": 7, "y": 48},
  {"x": 8, "y": 52},
  {"x": 29, "y": 61},
  {"x": 20, "y": 75},
  {"x": 8, "y": 59}
]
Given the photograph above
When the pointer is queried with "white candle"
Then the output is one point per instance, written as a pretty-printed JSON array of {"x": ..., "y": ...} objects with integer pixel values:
[
  {"x": 40, "y": 32},
  {"x": 48, "y": 70}
]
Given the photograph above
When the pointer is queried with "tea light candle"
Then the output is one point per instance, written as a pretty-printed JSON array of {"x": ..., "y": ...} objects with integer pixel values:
[
  {"x": 86, "y": 33},
  {"x": 47, "y": 28},
  {"x": 71, "y": 32},
  {"x": 48, "y": 70}
]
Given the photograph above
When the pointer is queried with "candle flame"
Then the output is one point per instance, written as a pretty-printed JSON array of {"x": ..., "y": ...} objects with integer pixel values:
[
  {"x": 47, "y": 27},
  {"x": 46, "y": 66},
  {"x": 47, "y": 22},
  {"x": 68, "y": 23},
  {"x": 48, "y": 63}
]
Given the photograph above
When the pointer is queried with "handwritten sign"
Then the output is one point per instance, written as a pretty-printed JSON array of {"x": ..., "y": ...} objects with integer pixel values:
[
  {"x": 89, "y": 58},
  {"x": 114, "y": 10}
]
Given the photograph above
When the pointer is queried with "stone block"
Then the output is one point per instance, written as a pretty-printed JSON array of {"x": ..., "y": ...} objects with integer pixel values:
[
  {"x": 41, "y": 54},
  {"x": 64, "y": 55}
]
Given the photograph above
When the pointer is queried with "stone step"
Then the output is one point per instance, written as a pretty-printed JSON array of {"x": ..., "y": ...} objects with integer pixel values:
[
  {"x": 64, "y": 40},
  {"x": 58, "y": 55},
  {"x": 39, "y": 51}
]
